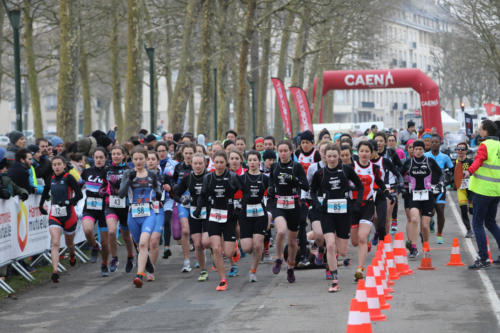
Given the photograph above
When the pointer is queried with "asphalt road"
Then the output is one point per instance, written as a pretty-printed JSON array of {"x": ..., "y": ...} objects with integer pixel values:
[{"x": 448, "y": 299}]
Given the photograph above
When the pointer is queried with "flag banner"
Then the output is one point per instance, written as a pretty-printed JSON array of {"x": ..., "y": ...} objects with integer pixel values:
[
  {"x": 283, "y": 103},
  {"x": 302, "y": 106}
]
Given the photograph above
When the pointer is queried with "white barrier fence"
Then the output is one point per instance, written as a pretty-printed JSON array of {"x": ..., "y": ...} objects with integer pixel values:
[{"x": 24, "y": 232}]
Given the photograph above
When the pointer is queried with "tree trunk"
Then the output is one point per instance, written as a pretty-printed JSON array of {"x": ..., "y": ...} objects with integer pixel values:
[
  {"x": 298, "y": 66},
  {"x": 67, "y": 91},
  {"x": 84, "y": 77},
  {"x": 264, "y": 74},
  {"x": 254, "y": 77},
  {"x": 31, "y": 68},
  {"x": 205, "y": 105},
  {"x": 133, "y": 90},
  {"x": 319, "y": 83},
  {"x": 167, "y": 66},
  {"x": 241, "y": 128},
  {"x": 222, "y": 70},
  {"x": 192, "y": 122},
  {"x": 116, "y": 86},
  {"x": 181, "y": 91},
  {"x": 2, "y": 18},
  {"x": 283, "y": 59}
]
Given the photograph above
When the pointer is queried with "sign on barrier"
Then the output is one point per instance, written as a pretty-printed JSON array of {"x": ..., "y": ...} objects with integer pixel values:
[{"x": 7, "y": 211}]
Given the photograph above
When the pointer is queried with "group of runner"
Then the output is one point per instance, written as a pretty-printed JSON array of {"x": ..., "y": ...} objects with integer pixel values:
[{"x": 229, "y": 198}]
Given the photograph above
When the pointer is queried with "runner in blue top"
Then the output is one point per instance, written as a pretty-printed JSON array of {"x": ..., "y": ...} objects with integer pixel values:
[
  {"x": 446, "y": 165},
  {"x": 143, "y": 188}
]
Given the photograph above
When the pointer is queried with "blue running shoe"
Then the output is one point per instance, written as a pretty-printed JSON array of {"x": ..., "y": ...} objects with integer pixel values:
[{"x": 233, "y": 272}]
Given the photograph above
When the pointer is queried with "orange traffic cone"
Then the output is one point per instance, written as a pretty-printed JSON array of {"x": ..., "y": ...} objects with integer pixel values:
[
  {"x": 391, "y": 266},
  {"x": 359, "y": 320},
  {"x": 380, "y": 287},
  {"x": 489, "y": 252},
  {"x": 361, "y": 292},
  {"x": 426, "y": 262},
  {"x": 372, "y": 297},
  {"x": 386, "y": 283},
  {"x": 400, "y": 256},
  {"x": 455, "y": 259}
]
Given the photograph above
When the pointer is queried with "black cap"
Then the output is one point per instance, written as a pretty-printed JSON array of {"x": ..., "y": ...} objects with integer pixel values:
[
  {"x": 269, "y": 154},
  {"x": 307, "y": 135}
]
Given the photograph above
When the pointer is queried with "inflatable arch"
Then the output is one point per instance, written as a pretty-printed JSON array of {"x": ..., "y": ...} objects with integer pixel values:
[{"x": 389, "y": 78}]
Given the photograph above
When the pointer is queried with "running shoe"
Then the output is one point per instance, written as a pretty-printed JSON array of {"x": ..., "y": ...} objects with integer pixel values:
[
  {"x": 303, "y": 262},
  {"x": 375, "y": 239},
  {"x": 166, "y": 253},
  {"x": 408, "y": 245},
  {"x": 196, "y": 264},
  {"x": 237, "y": 254},
  {"x": 203, "y": 276},
  {"x": 267, "y": 256},
  {"x": 138, "y": 281},
  {"x": 335, "y": 284},
  {"x": 252, "y": 277},
  {"x": 469, "y": 234},
  {"x": 346, "y": 262},
  {"x": 113, "y": 265},
  {"x": 150, "y": 277},
  {"x": 413, "y": 254},
  {"x": 431, "y": 226},
  {"x": 439, "y": 239},
  {"x": 394, "y": 227},
  {"x": 72, "y": 260},
  {"x": 149, "y": 266},
  {"x": 55, "y": 277},
  {"x": 129, "y": 265},
  {"x": 186, "y": 268},
  {"x": 328, "y": 275},
  {"x": 478, "y": 264},
  {"x": 191, "y": 247},
  {"x": 359, "y": 274},
  {"x": 277, "y": 266},
  {"x": 290, "y": 275},
  {"x": 233, "y": 271},
  {"x": 104, "y": 270},
  {"x": 93, "y": 254},
  {"x": 318, "y": 259},
  {"x": 222, "y": 285}
]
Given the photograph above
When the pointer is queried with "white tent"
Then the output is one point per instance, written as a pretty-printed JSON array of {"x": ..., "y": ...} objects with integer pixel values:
[{"x": 449, "y": 124}]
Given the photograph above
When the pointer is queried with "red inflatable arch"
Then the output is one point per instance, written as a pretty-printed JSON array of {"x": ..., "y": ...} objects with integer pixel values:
[{"x": 389, "y": 78}]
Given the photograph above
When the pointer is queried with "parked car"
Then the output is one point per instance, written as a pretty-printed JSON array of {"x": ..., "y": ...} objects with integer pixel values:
[{"x": 4, "y": 141}]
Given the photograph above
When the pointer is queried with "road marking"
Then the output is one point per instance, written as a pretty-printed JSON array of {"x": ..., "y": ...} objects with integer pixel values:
[{"x": 490, "y": 290}]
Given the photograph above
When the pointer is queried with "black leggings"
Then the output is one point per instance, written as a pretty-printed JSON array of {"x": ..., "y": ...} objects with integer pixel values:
[
  {"x": 167, "y": 230},
  {"x": 381, "y": 207},
  {"x": 395, "y": 210},
  {"x": 465, "y": 216},
  {"x": 302, "y": 236}
]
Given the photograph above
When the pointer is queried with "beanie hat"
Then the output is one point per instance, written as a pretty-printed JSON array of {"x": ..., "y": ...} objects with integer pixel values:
[
  {"x": 86, "y": 145},
  {"x": 14, "y": 136},
  {"x": 307, "y": 135},
  {"x": 56, "y": 141},
  {"x": 268, "y": 154},
  {"x": 101, "y": 138}
]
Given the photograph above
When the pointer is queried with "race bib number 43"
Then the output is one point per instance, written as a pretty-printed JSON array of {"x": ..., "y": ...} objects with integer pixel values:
[
  {"x": 337, "y": 206},
  {"x": 141, "y": 210},
  {"x": 116, "y": 202}
]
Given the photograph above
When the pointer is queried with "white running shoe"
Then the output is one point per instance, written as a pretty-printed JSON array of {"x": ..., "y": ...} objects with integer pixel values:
[
  {"x": 252, "y": 277},
  {"x": 186, "y": 268}
]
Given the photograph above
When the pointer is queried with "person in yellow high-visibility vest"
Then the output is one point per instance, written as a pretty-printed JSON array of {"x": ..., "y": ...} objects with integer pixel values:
[{"x": 484, "y": 183}]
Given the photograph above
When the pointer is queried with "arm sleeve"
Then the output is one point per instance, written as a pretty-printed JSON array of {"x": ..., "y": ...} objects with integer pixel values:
[
  {"x": 18, "y": 189},
  {"x": 397, "y": 161},
  {"x": 124, "y": 185},
  {"x": 388, "y": 165},
  {"x": 481, "y": 156},
  {"x": 202, "y": 198},
  {"x": 436, "y": 171},
  {"x": 179, "y": 189},
  {"x": 45, "y": 193},
  {"x": 76, "y": 189},
  {"x": 353, "y": 177},
  {"x": 315, "y": 186},
  {"x": 301, "y": 176}
]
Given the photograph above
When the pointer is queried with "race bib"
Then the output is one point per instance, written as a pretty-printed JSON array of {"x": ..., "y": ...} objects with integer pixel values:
[
  {"x": 156, "y": 207},
  {"x": 465, "y": 184},
  {"x": 94, "y": 203},
  {"x": 285, "y": 202},
  {"x": 337, "y": 206},
  {"x": 140, "y": 210},
  {"x": 218, "y": 215},
  {"x": 421, "y": 195},
  {"x": 58, "y": 211},
  {"x": 117, "y": 202},
  {"x": 203, "y": 214},
  {"x": 255, "y": 210}
]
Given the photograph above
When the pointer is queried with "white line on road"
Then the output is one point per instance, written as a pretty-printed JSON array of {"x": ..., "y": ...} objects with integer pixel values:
[{"x": 490, "y": 290}]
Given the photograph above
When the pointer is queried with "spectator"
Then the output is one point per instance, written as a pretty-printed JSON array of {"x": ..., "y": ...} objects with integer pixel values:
[
  {"x": 57, "y": 145},
  {"x": 17, "y": 141},
  {"x": 102, "y": 140},
  {"x": 112, "y": 133},
  {"x": 407, "y": 134},
  {"x": 44, "y": 168},
  {"x": 373, "y": 131},
  {"x": 35, "y": 153},
  {"x": 484, "y": 176},
  {"x": 86, "y": 146},
  {"x": 19, "y": 171}
]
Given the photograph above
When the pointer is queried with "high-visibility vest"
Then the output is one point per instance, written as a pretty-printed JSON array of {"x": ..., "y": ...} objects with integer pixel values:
[
  {"x": 486, "y": 180},
  {"x": 35, "y": 182}
]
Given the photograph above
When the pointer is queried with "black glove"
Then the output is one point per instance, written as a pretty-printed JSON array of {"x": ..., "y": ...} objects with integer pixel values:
[
  {"x": 289, "y": 179},
  {"x": 158, "y": 196},
  {"x": 389, "y": 196},
  {"x": 4, "y": 193},
  {"x": 23, "y": 196},
  {"x": 42, "y": 210},
  {"x": 316, "y": 205},
  {"x": 132, "y": 175},
  {"x": 197, "y": 212},
  {"x": 185, "y": 200}
]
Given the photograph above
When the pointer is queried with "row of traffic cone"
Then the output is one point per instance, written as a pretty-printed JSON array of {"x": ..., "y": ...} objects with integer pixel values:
[{"x": 387, "y": 266}]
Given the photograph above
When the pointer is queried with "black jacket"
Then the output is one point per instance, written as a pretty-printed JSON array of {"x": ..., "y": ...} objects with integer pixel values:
[{"x": 19, "y": 174}]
